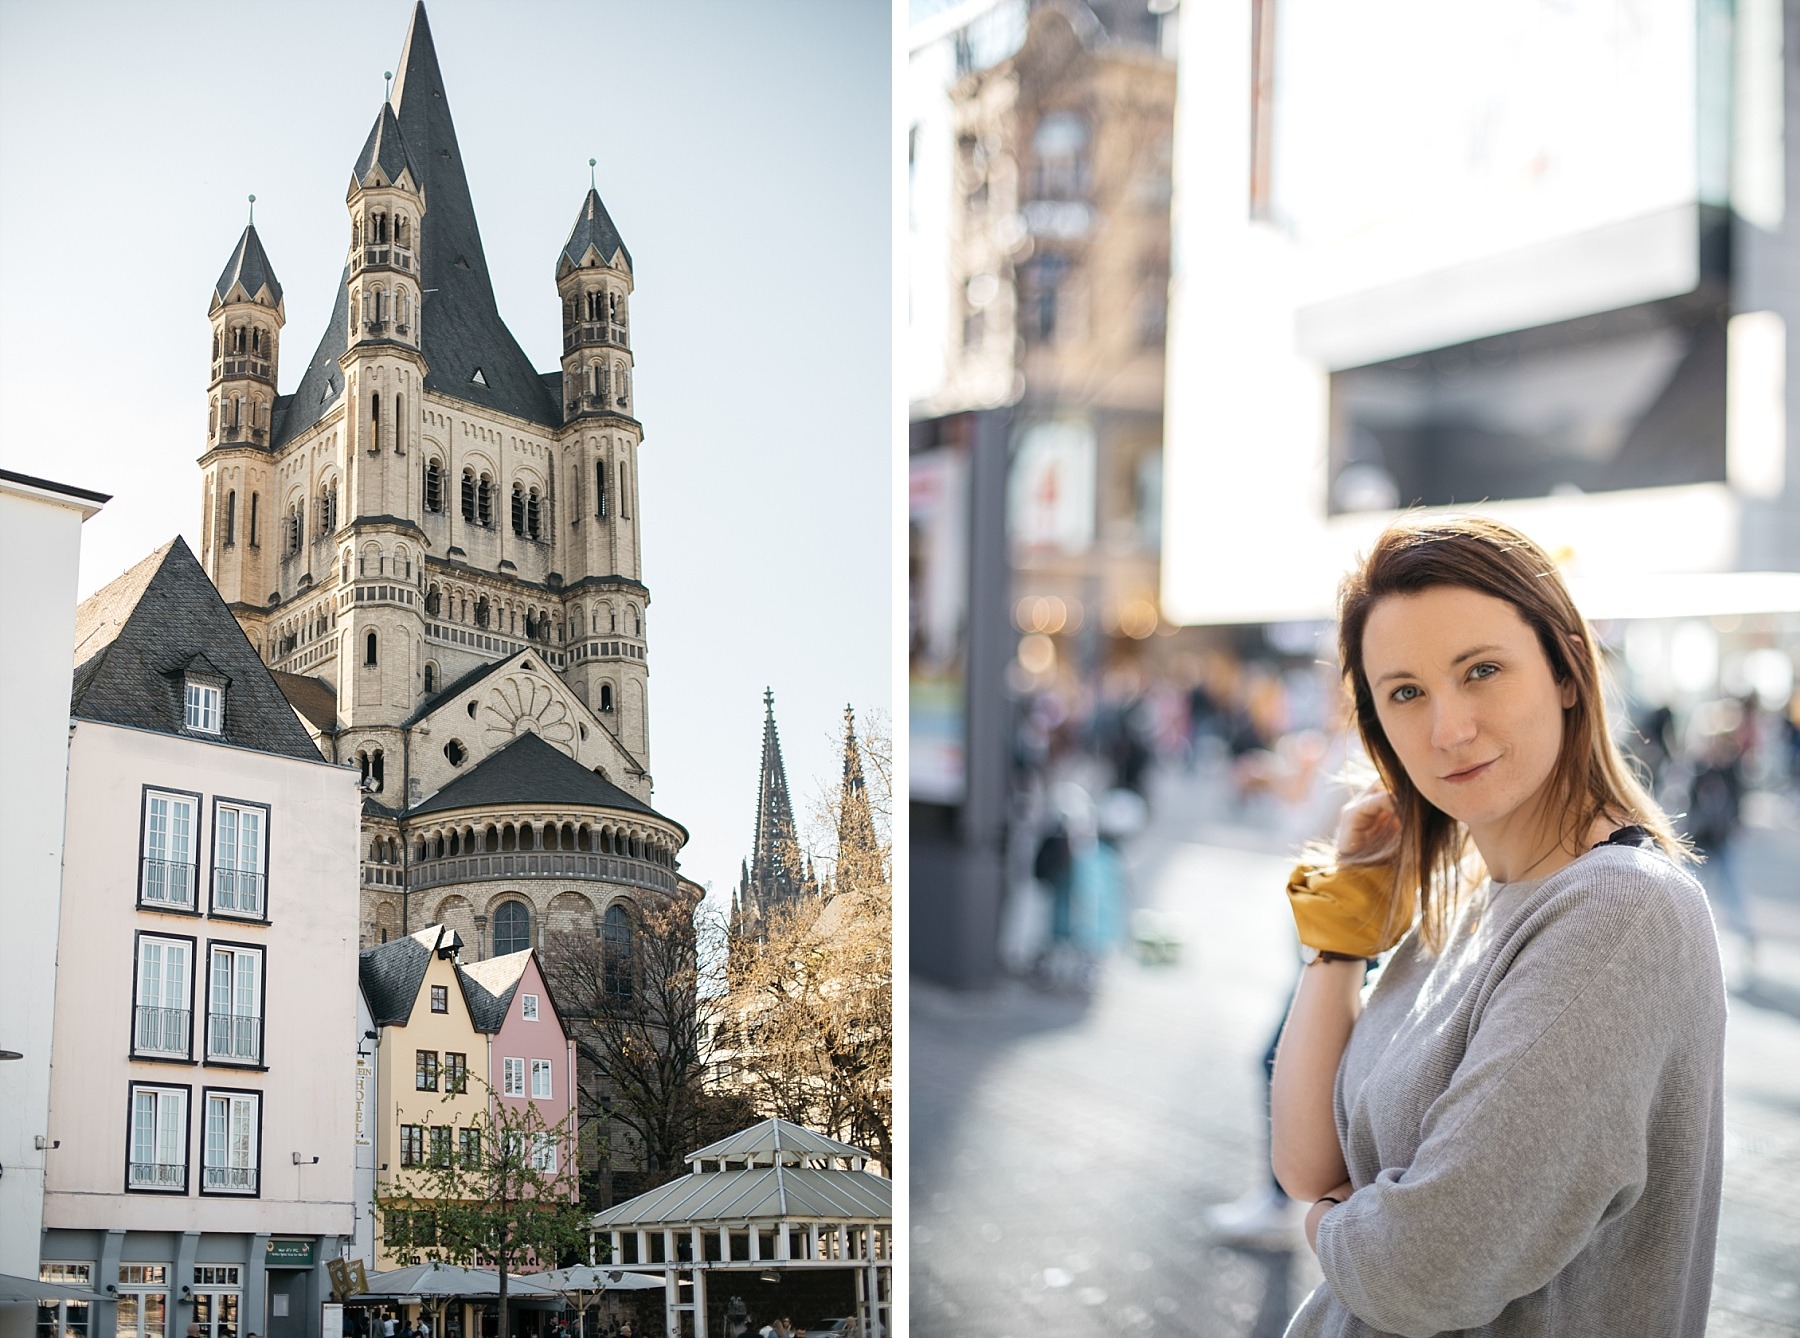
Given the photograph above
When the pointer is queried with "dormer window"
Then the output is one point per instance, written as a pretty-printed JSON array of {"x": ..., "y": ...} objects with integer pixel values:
[{"x": 205, "y": 707}]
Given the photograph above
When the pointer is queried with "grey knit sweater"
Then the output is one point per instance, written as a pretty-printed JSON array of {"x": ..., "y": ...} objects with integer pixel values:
[{"x": 1533, "y": 1120}]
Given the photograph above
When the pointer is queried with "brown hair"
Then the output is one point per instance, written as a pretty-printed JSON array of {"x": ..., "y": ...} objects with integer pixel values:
[{"x": 1590, "y": 779}]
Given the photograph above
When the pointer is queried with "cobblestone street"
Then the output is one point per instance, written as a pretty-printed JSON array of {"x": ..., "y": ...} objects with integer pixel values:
[{"x": 1064, "y": 1151}]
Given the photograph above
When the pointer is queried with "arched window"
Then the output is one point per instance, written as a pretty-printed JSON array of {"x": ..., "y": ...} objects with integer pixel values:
[
  {"x": 468, "y": 495},
  {"x": 484, "y": 501},
  {"x": 518, "y": 509},
  {"x": 253, "y": 497},
  {"x": 374, "y": 424},
  {"x": 600, "y": 489},
  {"x": 481, "y": 612},
  {"x": 402, "y": 231},
  {"x": 231, "y": 518},
  {"x": 512, "y": 928},
  {"x": 434, "y": 603},
  {"x": 533, "y": 514},
  {"x": 369, "y": 649},
  {"x": 616, "y": 943},
  {"x": 372, "y": 768},
  {"x": 430, "y": 678},
  {"x": 237, "y": 339},
  {"x": 606, "y": 702},
  {"x": 399, "y": 425},
  {"x": 624, "y": 493},
  {"x": 434, "y": 485}
]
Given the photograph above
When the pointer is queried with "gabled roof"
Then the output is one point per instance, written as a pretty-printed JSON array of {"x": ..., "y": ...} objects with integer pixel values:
[
  {"x": 460, "y": 325},
  {"x": 489, "y": 986},
  {"x": 461, "y": 685},
  {"x": 593, "y": 228},
  {"x": 531, "y": 771},
  {"x": 138, "y": 637},
  {"x": 392, "y": 972},
  {"x": 385, "y": 148},
  {"x": 249, "y": 265},
  {"x": 313, "y": 698}
]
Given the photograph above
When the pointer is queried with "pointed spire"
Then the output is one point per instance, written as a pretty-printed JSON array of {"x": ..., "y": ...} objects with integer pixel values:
[
  {"x": 384, "y": 150},
  {"x": 249, "y": 267},
  {"x": 593, "y": 230},
  {"x": 464, "y": 332},
  {"x": 775, "y": 875},
  {"x": 859, "y": 863}
]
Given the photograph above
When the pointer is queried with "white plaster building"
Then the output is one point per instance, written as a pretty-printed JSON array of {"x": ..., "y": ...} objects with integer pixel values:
[
  {"x": 201, "y": 1112},
  {"x": 40, "y": 534}
]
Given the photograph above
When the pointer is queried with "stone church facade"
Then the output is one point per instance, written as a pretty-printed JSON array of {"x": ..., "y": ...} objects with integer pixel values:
[{"x": 435, "y": 547}]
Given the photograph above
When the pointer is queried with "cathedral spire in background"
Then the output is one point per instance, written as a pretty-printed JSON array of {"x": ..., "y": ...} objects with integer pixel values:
[{"x": 775, "y": 875}]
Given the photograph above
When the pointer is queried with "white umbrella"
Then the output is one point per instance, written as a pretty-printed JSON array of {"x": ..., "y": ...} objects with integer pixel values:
[
  {"x": 589, "y": 1278},
  {"x": 442, "y": 1280}
]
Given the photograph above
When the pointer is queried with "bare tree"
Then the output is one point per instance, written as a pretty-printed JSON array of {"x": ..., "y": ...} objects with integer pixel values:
[
  {"x": 643, "y": 1010},
  {"x": 811, "y": 1003}
]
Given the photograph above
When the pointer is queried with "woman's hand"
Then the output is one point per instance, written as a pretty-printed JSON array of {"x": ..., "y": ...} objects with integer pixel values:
[
  {"x": 1319, "y": 1209},
  {"x": 1368, "y": 827}
]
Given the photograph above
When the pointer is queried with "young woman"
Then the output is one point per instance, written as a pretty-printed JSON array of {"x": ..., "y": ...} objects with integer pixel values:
[{"x": 1520, "y": 1130}]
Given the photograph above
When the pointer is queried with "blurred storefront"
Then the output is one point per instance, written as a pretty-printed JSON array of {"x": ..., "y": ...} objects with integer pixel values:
[{"x": 1535, "y": 260}]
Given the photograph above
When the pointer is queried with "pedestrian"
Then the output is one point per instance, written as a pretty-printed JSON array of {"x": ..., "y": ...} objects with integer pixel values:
[
  {"x": 1521, "y": 1130},
  {"x": 424, "y": 1329},
  {"x": 388, "y": 1324}
]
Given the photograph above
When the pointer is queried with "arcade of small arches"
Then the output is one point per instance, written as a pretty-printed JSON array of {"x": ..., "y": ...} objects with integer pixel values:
[
  {"x": 456, "y": 602},
  {"x": 452, "y": 840}
]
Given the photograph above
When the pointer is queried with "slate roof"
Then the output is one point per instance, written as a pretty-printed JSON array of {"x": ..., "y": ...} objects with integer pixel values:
[
  {"x": 135, "y": 639},
  {"x": 249, "y": 265},
  {"x": 459, "y": 323},
  {"x": 489, "y": 987},
  {"x": 530, "y": 771},
  {"x": 392, "y": 972},
  {"x": 313, "y": 698},
  {"x": 593, "y": 227},
  {"x": 385, "y": 148}
]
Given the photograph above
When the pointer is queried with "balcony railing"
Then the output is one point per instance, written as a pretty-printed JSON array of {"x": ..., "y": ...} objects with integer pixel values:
[
  {"x": 163, "y": 1031},
  {"x": 234, "y": 1036},
  {"x": 168, "y": 882},
  {"x": 237, "y": 891},
  {"x": 158, "y": 1175},
  {"x": 543, "y": 864},
  {"x": 235, "y": 1179}
]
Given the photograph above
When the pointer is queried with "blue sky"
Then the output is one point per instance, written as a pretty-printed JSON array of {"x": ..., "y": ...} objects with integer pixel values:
[{"x": 745, "y": 152}]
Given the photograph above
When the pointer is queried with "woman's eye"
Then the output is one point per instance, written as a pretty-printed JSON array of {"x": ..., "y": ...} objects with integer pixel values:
[
  {"x": 1484, "y": 671},
  {"x": 1404, "y": 693}
]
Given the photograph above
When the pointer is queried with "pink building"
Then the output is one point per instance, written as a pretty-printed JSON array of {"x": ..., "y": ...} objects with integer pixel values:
[{"x": 531, "y": 1056}]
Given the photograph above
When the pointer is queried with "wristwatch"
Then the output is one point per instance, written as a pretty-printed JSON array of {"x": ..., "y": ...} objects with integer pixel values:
[{"x": 1309, "y": 955}]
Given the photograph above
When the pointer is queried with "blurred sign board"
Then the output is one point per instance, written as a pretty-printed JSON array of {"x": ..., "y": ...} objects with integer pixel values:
[
  {"x": 937, "y": 616},
  {"x": 1050, "y": 491}
]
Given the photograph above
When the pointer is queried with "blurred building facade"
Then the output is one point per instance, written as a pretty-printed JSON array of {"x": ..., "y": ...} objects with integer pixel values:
[
  {"x": 1039, "y": 156},
  {"x": 1536, "y": 260},
  {"x": 1040, "y": 149}
]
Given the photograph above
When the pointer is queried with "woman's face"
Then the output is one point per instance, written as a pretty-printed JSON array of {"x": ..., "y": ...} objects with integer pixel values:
[{"x": 1467, "y": 700}]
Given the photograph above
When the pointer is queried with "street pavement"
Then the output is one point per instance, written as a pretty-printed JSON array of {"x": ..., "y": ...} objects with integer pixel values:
[{"x": 1064, "y": 1149}]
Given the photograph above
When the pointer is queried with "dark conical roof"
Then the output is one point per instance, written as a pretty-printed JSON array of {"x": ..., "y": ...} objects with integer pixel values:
[
  {"x": 385, "y": 149},
  {"x": 249, "y": 265},
  {"x": 593, "y": 227},
  {"x": 459, "y": 321}
]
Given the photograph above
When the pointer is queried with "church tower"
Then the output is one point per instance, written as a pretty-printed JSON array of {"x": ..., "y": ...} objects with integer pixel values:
[
  {"x": 247, "y": 314},
  {"x": 593, "y": 281},
  {"x": 773, "y": 877},
  {"x": 435, "y": 547}
]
